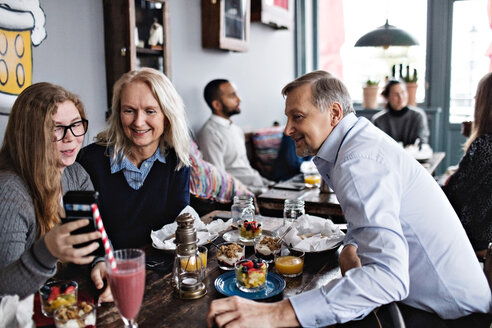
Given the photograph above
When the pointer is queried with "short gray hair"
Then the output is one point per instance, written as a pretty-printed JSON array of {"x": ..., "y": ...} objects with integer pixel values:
[{"x": 326, "y": 89}]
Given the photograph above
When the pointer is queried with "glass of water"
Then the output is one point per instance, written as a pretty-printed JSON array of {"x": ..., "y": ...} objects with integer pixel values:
[{"x": 293, "y": 208}]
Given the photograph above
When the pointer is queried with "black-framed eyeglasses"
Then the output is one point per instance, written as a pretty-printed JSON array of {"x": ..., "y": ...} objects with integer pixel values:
[{"x": 78, "y": 129}]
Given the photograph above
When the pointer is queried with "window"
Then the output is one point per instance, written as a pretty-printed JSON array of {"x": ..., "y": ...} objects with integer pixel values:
[
  {"x": 469, "y": 62},
  {"x": 342, "y": 23}
]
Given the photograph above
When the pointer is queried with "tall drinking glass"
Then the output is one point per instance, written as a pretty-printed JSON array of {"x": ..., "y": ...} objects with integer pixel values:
[
  {"x": 293, "y": 208},
  {"x": 127, "y": 283}
]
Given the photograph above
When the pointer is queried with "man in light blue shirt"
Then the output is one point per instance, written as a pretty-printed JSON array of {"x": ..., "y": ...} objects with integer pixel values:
[{"x": 404, "y": 241}]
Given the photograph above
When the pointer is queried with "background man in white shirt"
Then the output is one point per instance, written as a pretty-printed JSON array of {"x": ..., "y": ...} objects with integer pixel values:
[
  {"x": 404, "y": 241},
  {"x": 222, "y": 142}
]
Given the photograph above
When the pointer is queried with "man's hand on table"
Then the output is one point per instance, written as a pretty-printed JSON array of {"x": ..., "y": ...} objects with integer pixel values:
[
  {"x": 240, "y": 312},
  {"x": 98, "y": 274},
  {"x": 348, "y": 259}
]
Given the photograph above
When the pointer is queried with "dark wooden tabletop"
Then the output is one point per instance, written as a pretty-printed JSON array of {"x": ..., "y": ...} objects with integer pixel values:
[
  {"x": 324, "y": 204},
  {"x": 161, "y": 308},
  {"x": 316, "y": 202},
  {"x": 436, "y": 159}
]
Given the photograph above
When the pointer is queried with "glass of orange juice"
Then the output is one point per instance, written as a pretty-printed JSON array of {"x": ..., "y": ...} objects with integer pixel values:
[
  {"x": 290, "y": 262},
  {"x": 312, "y": 179},
  {"x": 190, "y": 263}
]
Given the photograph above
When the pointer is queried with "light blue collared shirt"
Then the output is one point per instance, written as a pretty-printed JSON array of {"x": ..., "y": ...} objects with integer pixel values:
[
  {"x": 411, "y": 244},
  {"x": 133, "y": 175}
]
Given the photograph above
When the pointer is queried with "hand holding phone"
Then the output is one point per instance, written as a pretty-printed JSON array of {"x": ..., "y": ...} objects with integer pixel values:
[
  {"x": 60, "y": 242},
  {"x": 77, "y": 206}
]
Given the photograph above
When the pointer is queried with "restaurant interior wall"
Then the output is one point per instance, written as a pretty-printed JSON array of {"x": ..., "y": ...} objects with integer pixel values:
[
  {"x": 73, "y": 56},
  {"x": 259, "y": 73}
]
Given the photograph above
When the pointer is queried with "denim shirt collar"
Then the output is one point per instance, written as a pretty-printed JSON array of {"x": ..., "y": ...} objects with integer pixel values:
[{"x": 122, "y": 162}]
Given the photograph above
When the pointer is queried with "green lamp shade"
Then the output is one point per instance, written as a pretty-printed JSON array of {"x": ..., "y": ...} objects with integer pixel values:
[{"x": 385, "y": 36}]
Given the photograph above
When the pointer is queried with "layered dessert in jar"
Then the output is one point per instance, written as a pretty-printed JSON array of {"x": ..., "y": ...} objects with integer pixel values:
[
  {"x": 82, "y": 315},
  {"x": 249, "y": 230},
  {"x": 56, "y": 294},
  {"x": 266, "y": 248},
  {"x": 251, "y": 275},
  {"x": 228, "y": 254}
]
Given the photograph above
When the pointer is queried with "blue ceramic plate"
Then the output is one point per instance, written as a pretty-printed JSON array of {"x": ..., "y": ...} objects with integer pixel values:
[{"x": 226, "y": 285}]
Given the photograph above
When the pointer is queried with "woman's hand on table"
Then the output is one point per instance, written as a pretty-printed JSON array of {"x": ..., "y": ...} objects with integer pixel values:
[
  {"x": 98, "y": 274},
  {"x": 60, "y": 242},
  {"x": 348, "y": 259},
  {"x": 240, "y": 312}
]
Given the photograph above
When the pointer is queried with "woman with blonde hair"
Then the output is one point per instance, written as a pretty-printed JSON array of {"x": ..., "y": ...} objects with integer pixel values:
[
  {"x": 140, "y": 164},
  {"x": 469, "y": 189},
  {"x": 44, "y": 133}
]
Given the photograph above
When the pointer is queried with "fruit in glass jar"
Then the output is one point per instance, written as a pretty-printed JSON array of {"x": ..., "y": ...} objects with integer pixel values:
[
  {"x": 251, "y": 274},
  {"x": 249, "y": 229}
]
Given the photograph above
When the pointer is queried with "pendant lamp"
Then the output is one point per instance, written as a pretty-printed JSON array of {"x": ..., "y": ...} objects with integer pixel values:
[{"x": 385, "y": 36}]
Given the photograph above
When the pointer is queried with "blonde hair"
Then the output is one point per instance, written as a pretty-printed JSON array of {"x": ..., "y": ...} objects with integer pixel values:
[
  {"x": 172, "y": 107},
  {"x": 326, "y": 89},
  {"x": 483, "y": 110},
  {"x": 29, "y": 148}
]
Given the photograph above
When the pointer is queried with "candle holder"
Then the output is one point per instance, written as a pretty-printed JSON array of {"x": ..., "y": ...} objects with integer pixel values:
[{"x": 189, "y": 269}]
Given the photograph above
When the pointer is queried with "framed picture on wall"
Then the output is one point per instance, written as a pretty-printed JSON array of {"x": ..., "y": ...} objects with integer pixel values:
[
  {"x": 225, "y": 24},
  {"x": 276, "y": 13}
]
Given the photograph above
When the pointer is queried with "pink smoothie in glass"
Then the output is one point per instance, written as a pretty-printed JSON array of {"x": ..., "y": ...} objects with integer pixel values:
[{"x": 127, "y": 285}]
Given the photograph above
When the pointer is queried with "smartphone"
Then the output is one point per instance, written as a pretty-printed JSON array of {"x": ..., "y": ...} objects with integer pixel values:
[{"x": 77, "y": 205}]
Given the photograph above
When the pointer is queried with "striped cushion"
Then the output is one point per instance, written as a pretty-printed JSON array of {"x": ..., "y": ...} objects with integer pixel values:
[
  {"x": 209, "y": 182},
  {"x": 266, "y": 143}
]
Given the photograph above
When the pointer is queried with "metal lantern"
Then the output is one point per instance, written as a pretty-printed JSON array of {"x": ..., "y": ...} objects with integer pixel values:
[{"x": 189, "y": 269}]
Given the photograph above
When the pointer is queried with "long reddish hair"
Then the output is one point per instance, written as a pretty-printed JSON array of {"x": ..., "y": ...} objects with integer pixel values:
[
  {"x": 29, "y": 148},
  {"x": 483, "y": 110}
]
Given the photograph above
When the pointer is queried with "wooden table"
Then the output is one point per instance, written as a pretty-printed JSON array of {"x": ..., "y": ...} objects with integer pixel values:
[
  {"x": 434, "y": 162},
  {"x": 161, "y": 308},
  {"x": 316, "y": 202}
]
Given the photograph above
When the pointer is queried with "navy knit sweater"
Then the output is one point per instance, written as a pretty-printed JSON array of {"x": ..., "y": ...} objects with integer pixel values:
[{"x": 128, "y": 214}]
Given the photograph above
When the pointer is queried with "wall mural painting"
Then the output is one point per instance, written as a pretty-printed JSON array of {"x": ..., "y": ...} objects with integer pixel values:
[{"x": 22, "y": 25}]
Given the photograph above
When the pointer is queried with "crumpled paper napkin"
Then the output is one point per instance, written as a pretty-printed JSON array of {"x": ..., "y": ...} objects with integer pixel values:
[
  {"x": 15, "y": 312},
  {"x": 164, "y": 237},
  {"x": 314, "y": 234}
]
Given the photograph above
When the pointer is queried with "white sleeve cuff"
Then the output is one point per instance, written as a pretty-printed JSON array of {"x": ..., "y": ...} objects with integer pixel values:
[{"x": 312, "y": 310}]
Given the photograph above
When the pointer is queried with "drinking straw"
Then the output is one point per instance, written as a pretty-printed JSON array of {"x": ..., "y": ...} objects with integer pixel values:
[{"x": 105, "y": 239}]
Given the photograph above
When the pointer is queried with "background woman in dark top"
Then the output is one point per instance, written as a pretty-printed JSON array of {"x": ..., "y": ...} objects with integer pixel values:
[
  {"x": 140, "y": 164},
  {"x": 469, "y": 189},
  {"x": 403, "y": 123}
]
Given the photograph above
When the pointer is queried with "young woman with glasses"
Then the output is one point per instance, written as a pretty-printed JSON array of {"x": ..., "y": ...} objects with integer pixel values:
[{"x": 44, "y": 134}]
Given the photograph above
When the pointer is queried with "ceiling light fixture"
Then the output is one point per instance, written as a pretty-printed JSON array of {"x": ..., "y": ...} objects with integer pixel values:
[{"x": 386, "y": 36}]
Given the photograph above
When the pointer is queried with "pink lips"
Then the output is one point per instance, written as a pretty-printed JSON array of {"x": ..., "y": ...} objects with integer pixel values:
[
  {"x": 69, "y": 152},
  {"x": 139, "y": 134},
  {"x": 296, "y": 140}
]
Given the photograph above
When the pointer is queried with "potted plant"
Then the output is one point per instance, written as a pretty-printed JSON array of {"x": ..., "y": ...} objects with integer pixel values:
[
  {"x": 411, "y": 84},
  {"x": 370, "y": 94}
]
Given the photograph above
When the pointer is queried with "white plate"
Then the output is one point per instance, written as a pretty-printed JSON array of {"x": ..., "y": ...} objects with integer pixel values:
[
  {"x": 233, "y": 237},
  {"x": 321, "y": 250},
  {"x": 202, "y": 236}
]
